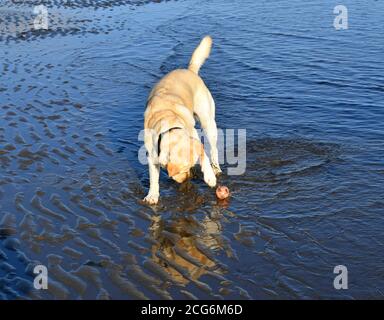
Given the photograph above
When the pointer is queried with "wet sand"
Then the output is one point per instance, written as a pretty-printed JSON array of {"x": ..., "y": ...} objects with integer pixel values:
[{"x": 72, "y": 99}]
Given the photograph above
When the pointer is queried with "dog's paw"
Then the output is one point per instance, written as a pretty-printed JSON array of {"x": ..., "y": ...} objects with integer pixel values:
[
  {"x": 151, "y": 198},
  {"x": 216, "y": 168},
  {"x": 210, "y": 178}
]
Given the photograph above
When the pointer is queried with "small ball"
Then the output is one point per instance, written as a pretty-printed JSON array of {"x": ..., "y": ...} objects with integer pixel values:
[{"x": 222, "y": 192}]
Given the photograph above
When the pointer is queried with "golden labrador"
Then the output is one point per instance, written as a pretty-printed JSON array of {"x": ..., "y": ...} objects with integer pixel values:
[{"x": 170, "y": 138}]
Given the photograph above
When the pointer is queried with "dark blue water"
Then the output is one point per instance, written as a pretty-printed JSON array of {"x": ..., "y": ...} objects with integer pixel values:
[{"x": 309, "y": 96}]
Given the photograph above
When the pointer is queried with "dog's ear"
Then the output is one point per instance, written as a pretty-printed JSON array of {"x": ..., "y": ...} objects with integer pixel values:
[
  {"x": 163, "y": 157},
  {"x": 172, "y": 169}
]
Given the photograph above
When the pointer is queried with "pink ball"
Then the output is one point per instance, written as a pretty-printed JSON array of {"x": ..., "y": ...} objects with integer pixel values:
[{"x": 222, "y": 192}]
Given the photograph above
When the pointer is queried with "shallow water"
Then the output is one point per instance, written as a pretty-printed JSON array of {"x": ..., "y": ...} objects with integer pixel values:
[{"x": 71, "y": 108}]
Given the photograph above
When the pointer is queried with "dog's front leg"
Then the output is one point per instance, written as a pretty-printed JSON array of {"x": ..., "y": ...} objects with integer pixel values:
[
  {"x": 153, "y": 166},
  {"x": 211, "y": 132},
  {"x": 206, "y": 168},
  {"x": 154, "y": 174},
  {"x": 209, "y": 174}
]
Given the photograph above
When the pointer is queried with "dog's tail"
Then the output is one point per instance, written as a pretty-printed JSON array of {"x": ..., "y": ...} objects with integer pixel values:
[{"x": 200, "y": 54}]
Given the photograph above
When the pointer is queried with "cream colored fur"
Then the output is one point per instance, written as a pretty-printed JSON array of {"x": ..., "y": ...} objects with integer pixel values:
[{"x": 172, "y": 104}]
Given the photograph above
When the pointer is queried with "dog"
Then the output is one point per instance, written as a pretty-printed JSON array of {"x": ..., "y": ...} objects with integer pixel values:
[{"x": 170, "y": 137}]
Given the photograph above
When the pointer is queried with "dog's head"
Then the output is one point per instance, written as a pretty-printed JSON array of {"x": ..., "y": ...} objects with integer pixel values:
[{"x": 179, "y": 153}]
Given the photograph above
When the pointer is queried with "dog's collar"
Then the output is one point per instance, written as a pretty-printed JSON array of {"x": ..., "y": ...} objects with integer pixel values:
[{"x": 161, "y": 135}]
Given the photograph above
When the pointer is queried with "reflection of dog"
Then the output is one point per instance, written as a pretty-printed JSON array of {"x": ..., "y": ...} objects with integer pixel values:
[
  {"x": 170, "y": 136},
  {"x": 176, "y": 248}
]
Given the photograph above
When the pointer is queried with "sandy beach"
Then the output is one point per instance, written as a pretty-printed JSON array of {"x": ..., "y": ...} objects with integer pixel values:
[{"x": 71, "y": 108}]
